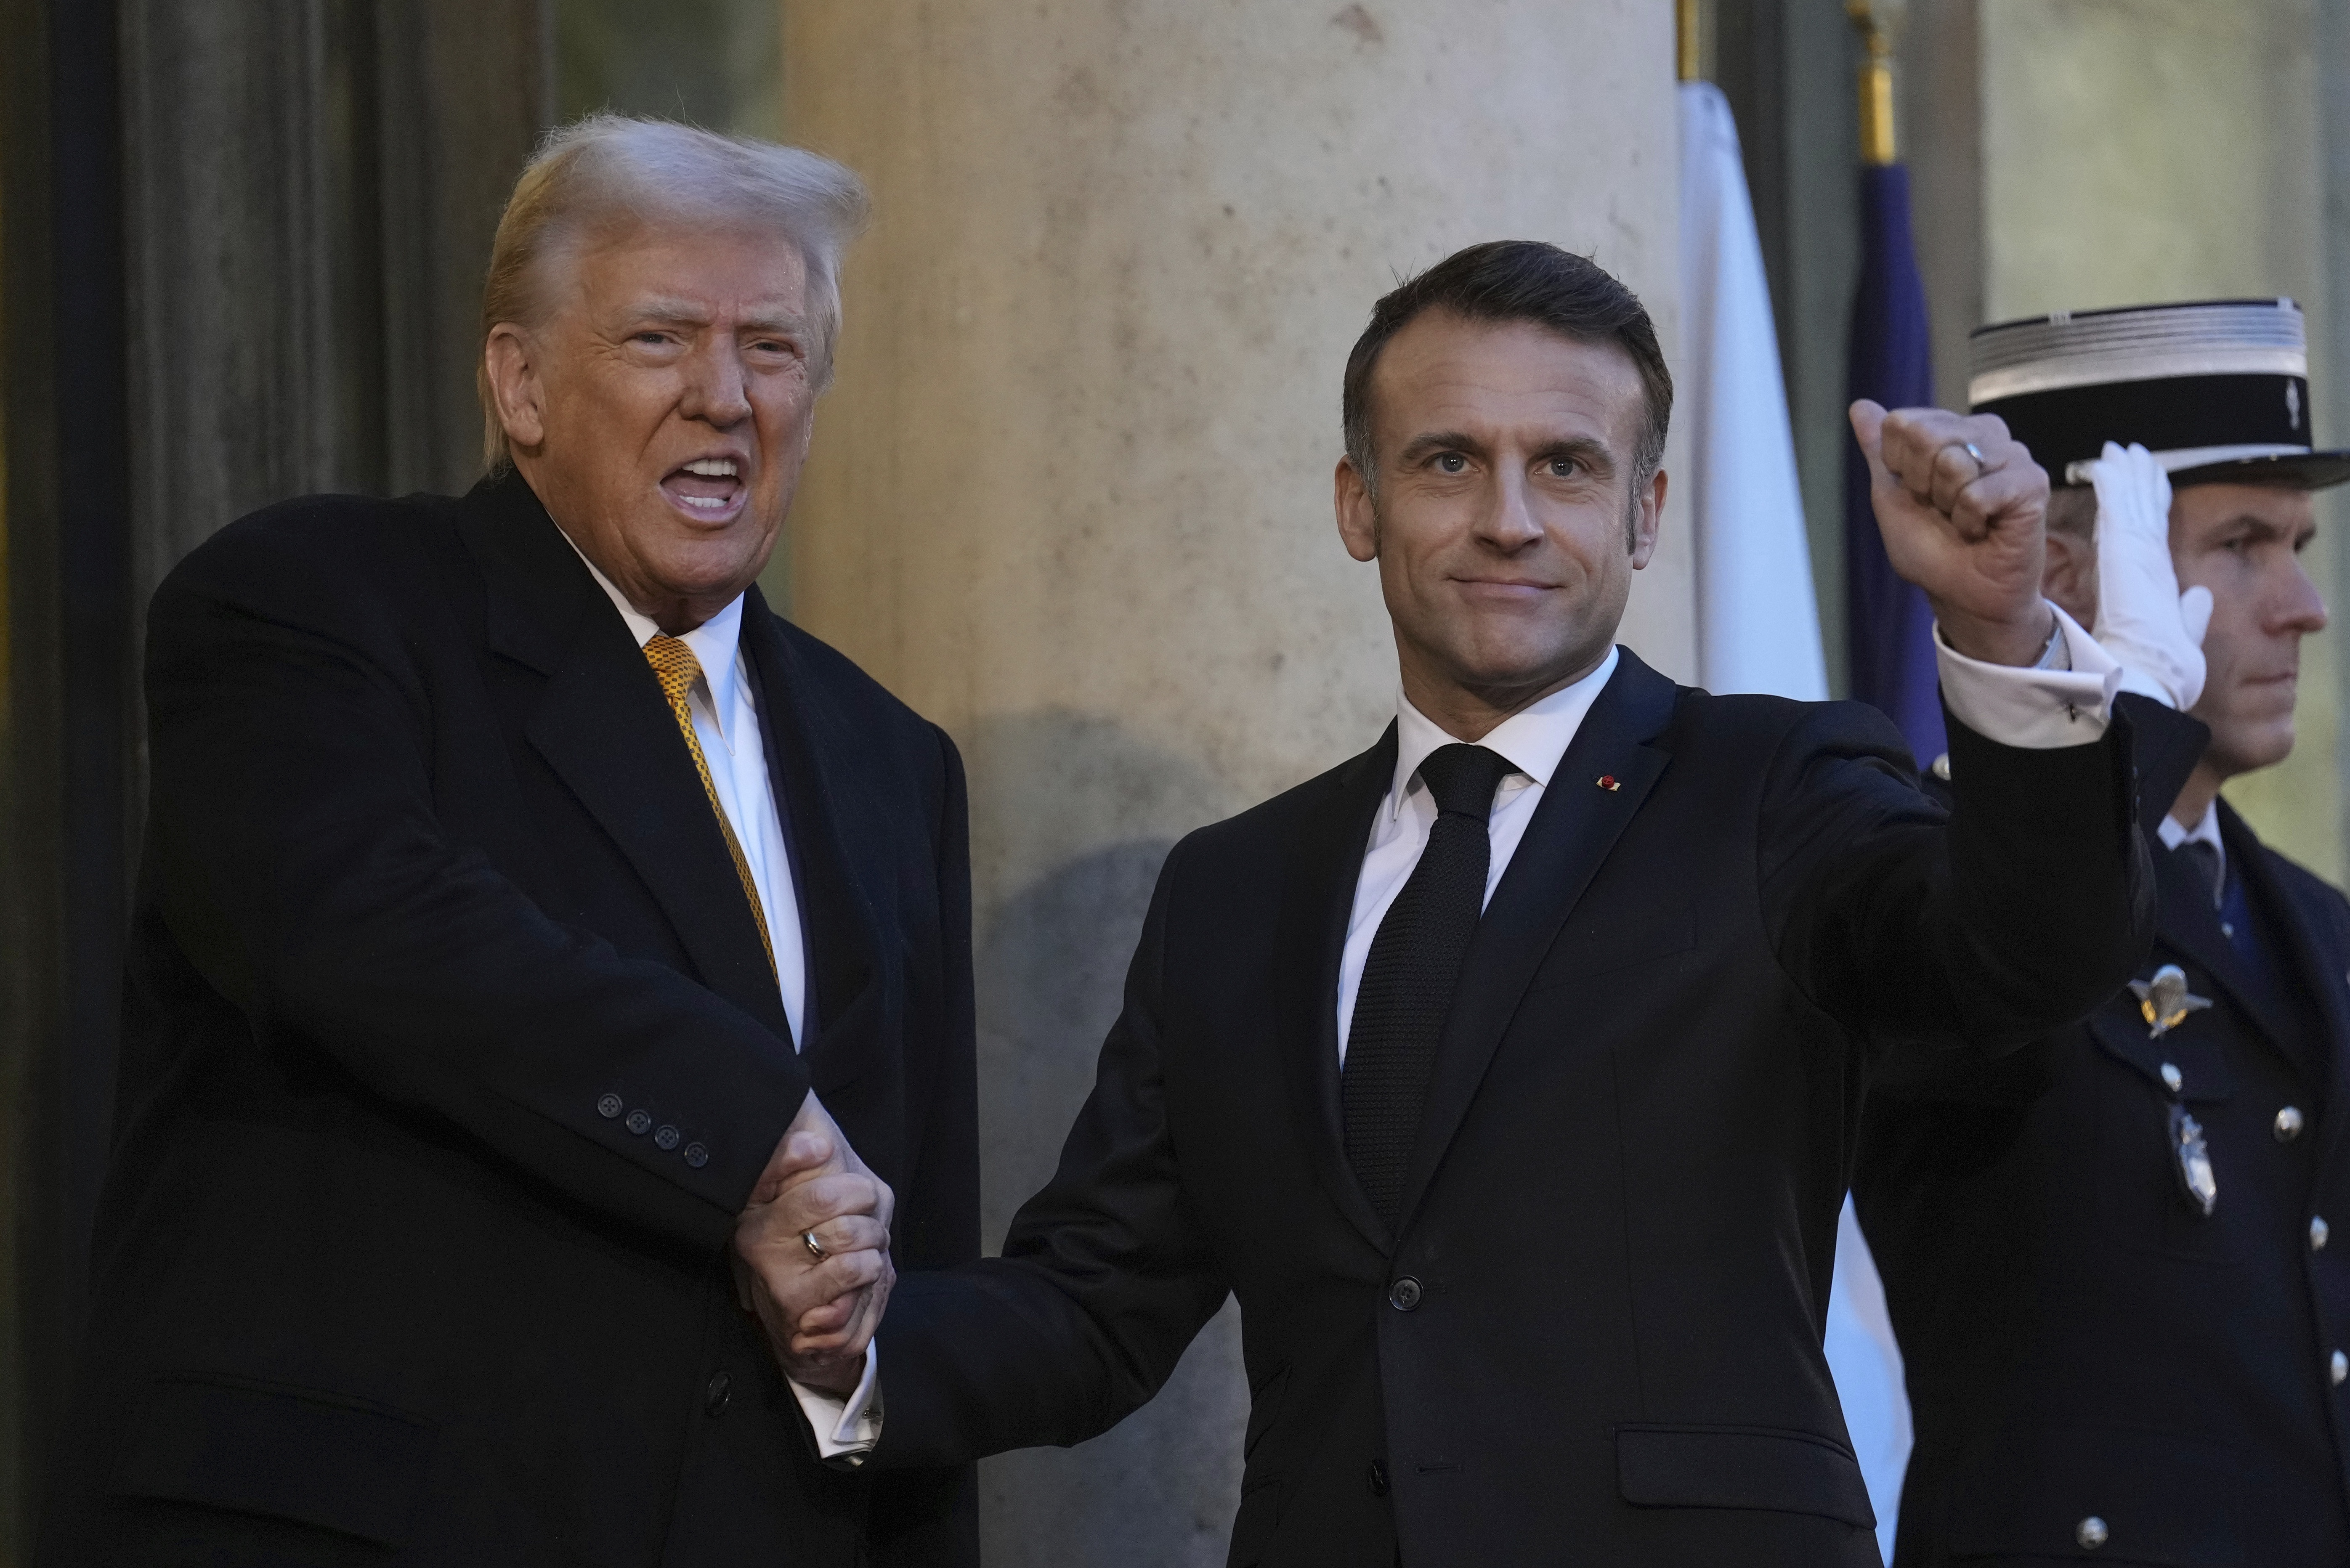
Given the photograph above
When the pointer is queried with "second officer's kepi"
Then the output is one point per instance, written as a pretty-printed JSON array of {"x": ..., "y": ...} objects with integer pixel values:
[{"x": 2217, "y": 389}]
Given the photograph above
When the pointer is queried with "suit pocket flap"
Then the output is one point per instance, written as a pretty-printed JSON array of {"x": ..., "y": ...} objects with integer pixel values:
[
  {"x": 2157, "y": 1498},
  {"x": 1741, "y": 1467},
  {"x": 337, "y": 1464}
]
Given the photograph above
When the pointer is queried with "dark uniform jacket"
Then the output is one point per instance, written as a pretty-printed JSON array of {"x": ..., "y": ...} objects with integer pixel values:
[
  {"x": 390, "y": 1268},
  {"x": 2083, "y": 1344},
  {"x": 1596, "y": 1335}
]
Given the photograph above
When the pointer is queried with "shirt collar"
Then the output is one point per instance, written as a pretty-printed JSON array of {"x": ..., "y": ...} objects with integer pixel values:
[
  {"x": 2205, "y": 831},
  {"x": 1533, "y": 739},
  {"x": 714, "y": 642}
]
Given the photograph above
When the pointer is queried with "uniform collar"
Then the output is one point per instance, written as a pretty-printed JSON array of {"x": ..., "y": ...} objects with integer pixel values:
[
  {"x": 1532, "y": 739},
  {"x": 2205, "y": 831}
]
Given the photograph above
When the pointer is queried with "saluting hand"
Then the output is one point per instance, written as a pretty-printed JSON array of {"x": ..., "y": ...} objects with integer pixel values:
[{"x": 1963, "y": 510}]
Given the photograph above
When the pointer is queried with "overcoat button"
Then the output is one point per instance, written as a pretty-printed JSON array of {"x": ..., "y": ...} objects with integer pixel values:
[
  {"x": 1379, "y": 1478},
  {"x": 667, "y": 1137},
  {"x": 721, "y": 1389},
  {"x": 2288, "y": 1123},
  {"x": 2339, "y": 1367},
  {"x": 1404, "y": 1294},
  {"x": 639, "y": 1123},
  {"x": 2319, "y": 1232},
  {"x": 609, "y": 1107},
  {"x": 2090, "y": 1532},
  {"x": 696, "y": 1156}
]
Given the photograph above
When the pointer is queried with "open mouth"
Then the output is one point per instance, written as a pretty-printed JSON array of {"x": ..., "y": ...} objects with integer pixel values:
[{"x": 708, "y": 489}]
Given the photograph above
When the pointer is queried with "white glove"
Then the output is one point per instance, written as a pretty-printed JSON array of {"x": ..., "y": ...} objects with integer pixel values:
[{"x": 2154, "y": 631}]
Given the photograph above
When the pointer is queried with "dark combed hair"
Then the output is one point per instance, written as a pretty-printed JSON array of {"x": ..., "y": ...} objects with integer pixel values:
[{"x": 1518, "y": 280}]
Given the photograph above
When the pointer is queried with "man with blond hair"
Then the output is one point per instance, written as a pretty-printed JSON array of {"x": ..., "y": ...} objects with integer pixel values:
[{"x": 516, "y": 882}]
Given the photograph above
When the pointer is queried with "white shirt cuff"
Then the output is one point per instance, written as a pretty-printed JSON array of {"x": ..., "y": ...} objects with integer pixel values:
[
  {"x": 2145, "y": 685},
  {"x": 846, "y": 1429},
  {"x": 2038, "y": 708}
]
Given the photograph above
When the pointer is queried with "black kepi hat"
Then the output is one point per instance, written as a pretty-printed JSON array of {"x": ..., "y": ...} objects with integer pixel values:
[{"x": 2217, "y": 389}]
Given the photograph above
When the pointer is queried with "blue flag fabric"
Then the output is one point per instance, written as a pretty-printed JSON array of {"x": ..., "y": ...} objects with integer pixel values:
[{"x": 1889, "y": 629}]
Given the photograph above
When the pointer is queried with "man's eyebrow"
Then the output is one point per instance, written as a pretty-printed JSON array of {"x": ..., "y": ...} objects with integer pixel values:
[
  {"x": 663, "y": 308},
  {"x": 2252, "y": 522},
  {"x": 1594, "y": 454},
  {"x": 1420, "y": 446}
]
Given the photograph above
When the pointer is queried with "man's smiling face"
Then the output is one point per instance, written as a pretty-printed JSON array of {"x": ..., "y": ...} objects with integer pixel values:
[
  {"x": 1504, "y": 523},
  {"x": 662, "y": 410}
]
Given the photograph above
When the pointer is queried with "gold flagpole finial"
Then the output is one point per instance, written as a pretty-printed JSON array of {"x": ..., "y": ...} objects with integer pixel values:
[
  {"x": 1877, "y": 21},
  {"x": 1689, "y": 64}
]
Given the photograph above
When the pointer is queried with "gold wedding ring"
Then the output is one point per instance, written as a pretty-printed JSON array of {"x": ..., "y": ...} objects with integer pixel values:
[{"x": 815, "y": 1247}]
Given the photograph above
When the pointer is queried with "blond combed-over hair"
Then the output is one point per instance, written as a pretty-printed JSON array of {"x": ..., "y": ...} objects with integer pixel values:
[{"x": 603, "y": 175}]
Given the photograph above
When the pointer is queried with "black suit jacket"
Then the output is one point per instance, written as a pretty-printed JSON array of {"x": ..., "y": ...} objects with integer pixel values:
[
  {"x": 433, "y": 903},
  {"x": 1598, "y": 1331},
  {"x": 2079, "y": 1342}
]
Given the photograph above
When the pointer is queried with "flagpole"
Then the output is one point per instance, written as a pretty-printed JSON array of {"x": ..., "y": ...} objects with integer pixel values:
[
  {"x": 1876, "y": 23},
  {"x": 1889, "y": 629},
  {"x": 1687, "y": 41}
]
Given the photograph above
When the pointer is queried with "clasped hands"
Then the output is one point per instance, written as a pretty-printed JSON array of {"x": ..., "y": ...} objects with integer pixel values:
[
  {"x": 1963, "y": 509},
  {"x": 819, "y": 1304}
]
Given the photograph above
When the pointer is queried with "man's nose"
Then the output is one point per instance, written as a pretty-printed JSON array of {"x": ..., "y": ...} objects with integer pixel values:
[
  {"x": 1508, "y": 523},
  {"x": 717, "y": 390},
  {"x": 2300, "y": 609}
]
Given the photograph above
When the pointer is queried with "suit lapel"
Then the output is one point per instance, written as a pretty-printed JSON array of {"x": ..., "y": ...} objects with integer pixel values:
[
  {"x": 829, "y": 829},
  {"x": 1574, "y": 826},
  {"x": 2300, "y": 959},
  {"x": 603, "y": 727},
  {"x": 1324, "y": 863},
  {"x": 2190, "y": 924}
]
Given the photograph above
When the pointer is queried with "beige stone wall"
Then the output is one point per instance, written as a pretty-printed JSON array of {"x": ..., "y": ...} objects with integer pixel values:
[
  {"x": 2136, "y": 150},
  {"x": 1070, "y": 496}
]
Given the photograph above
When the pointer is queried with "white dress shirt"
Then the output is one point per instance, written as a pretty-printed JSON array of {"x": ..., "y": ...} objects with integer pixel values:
[
  {"x": 2064, "y": 701},
  {"x": 726, "y": 722}
]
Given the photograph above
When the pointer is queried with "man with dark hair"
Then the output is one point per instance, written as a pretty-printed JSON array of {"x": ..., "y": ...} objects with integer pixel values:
[
  {"x": 2108, "y": 1255},
  {"x": 1508, "y": 1072}
]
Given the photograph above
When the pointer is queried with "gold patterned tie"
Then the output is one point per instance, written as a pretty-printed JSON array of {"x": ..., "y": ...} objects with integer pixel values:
[{"x": 675, "y": 663}]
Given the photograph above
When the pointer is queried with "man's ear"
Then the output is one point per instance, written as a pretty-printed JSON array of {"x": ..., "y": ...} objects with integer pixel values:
[
  {"x": 1359, "y": 522},
  {"x": 514, "y": 386},
  {"x": 2069, "y": 576},
  {"x": 1647, "y": 516}
]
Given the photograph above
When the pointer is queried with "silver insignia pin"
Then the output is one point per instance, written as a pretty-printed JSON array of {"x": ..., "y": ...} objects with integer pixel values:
[
  {"x": 2164, "y": 1000},
  {"x": 2197, "y": 1182}
]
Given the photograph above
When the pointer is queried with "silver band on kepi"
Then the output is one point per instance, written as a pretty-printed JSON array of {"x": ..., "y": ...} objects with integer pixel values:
[
  {"x": 815, "y": 1247},
  {"x": 2217, "y": 389}
]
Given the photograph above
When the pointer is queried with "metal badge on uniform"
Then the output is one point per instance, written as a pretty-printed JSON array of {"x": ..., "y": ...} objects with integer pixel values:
[
  {"x": 2164, "y": 1000},
  {"x": 2197, "y": 1182}
]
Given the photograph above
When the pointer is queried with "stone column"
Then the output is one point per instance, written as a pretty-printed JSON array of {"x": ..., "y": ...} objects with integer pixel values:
[{"x": 1071, "y": 493}]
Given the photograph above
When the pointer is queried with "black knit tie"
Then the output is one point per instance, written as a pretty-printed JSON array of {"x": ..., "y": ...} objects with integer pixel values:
[{"x": 1414, "y": 963}]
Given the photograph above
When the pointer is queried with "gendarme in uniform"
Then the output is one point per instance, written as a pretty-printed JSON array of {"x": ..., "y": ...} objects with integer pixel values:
[{"x": 2112, "y": 1258}]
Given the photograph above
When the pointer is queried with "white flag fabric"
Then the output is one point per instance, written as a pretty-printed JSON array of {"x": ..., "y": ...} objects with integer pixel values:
[
  {"x": 1759, "y": 631},
  {"x": 1758, "y": 626}
]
